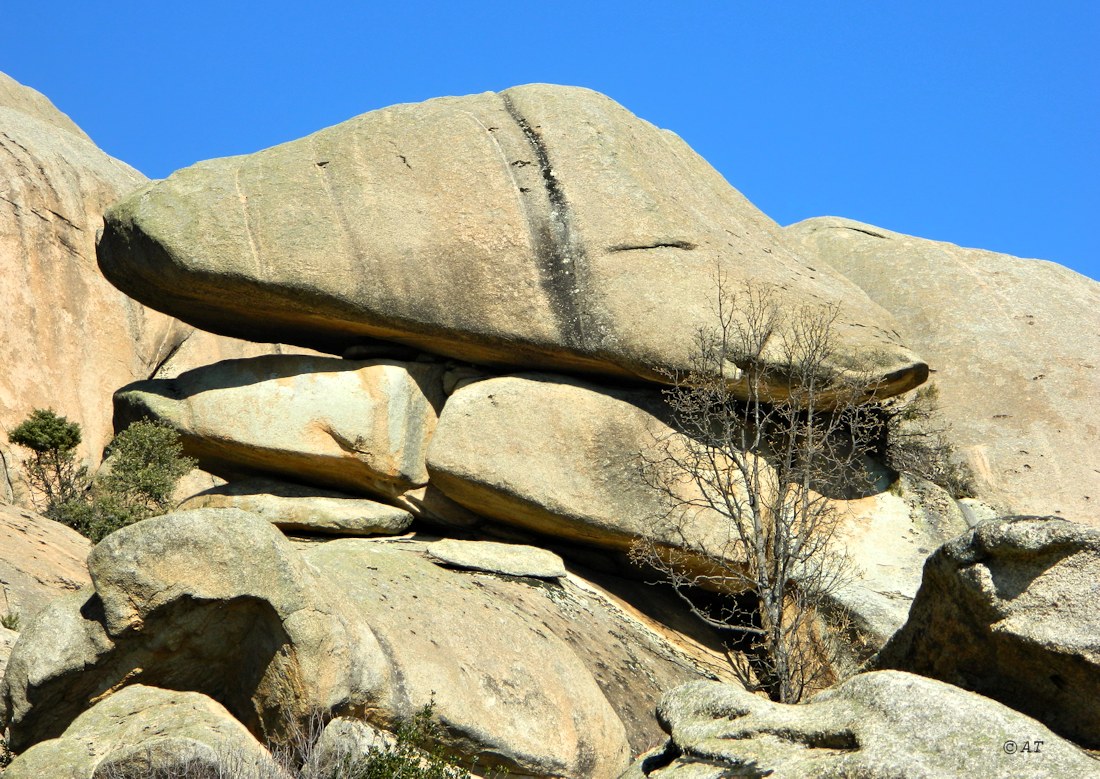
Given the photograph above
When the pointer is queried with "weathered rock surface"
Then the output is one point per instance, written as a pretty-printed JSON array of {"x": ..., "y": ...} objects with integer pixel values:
[
  {"x": 39, "y": 560},
  {"x": 492, "y": 557},
  {"x": 505, "y": 685},
  {"x": 554, "y": 455},
  {"x": 215, "y": 601},
  {"x": 543, "y": 226},
  {"x": 7, "y": 641},
  {"x": 141, "y": 730},
  {"x": 1009, "y": 610},
  {"x": 54, "y": 187},
  {"x": 1014, "y": 344},
  {"x": 355, "y": 426},
  {"x": 294, "y": 507},
  {"x": 884, "y": 725},
  {"x": 888, "y": 536}
]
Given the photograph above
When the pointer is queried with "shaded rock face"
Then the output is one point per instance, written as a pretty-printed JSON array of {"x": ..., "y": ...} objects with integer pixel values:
[
  {"x": 884, "y": 725},
  {"x": 55, "y": 187},
  {"x": 355, "y": 426},
  {"x": 543, "y": 226},
  {"x": 296, "y": 508},
  {"x": 1014, "y": 344},
  {"x": 141, "y": 730},
  {"x": 171, "y": 594},
  {"x": 39, "y": 560},
  {"x": 1009, "y": 610}
]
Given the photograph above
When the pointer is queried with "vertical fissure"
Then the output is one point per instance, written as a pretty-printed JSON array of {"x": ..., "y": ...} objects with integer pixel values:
[{"x": 559, "y": 253}]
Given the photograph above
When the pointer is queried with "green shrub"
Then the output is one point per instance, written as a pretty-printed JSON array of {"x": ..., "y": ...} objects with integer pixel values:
[
  {"x": 52, "y": 471},
  {"x": 11, "y": 620},
  {"x": 144, "y": 463}
]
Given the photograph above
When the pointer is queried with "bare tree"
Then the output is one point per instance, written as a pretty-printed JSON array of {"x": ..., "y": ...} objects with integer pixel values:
[{"x": 770, "y": 454}]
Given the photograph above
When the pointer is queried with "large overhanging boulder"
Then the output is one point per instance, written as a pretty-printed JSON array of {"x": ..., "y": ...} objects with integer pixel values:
[
  {"x": 70, "y": 339},
  {"x": 211, "y": 600},
  {"x": 543, "y": 226}
]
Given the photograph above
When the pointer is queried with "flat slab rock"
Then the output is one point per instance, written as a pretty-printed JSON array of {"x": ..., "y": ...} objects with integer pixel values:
[
  {"x": 543, "y": 226},
  {"x": 297, "y": 508},
  {"x": 39, "y": 560},
  {"x": 508, "y": 559}
]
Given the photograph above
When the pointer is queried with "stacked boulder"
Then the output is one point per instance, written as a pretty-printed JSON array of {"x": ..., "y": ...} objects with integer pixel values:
[{"x": 502, "y": 282}]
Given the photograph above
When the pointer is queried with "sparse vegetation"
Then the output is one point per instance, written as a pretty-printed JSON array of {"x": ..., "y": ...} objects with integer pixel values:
[
  {"x": 914, "y": 440},
  {"x": 144, "y": 463},
  {"x": 771, "y": 458},
  {"x": 414, "y": 752},
  {"x": 11, "y": 620},
  {"x": 52, "y": 472}
]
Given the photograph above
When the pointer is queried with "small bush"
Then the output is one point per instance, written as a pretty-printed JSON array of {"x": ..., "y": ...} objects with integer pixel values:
[
  {"x": 11, "y": 620},
  {"x": 52, "y": 471},
  {"x": 916, "y": 442},
  {"x": 144, "y": 463}
]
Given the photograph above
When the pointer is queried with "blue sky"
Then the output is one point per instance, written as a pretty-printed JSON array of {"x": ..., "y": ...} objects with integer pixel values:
[{"x": 974, "y": 121}]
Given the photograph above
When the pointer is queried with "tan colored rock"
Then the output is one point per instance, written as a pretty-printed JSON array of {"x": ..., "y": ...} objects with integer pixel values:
[
  {"x": 1014, "y": 346},
  {"x": 557, "y": 456},
  {"x": 213, "y": 600},
  {"x": 70, "y": 338},
  {"x": 293, "y": 507},
  {"x": 888, "y": 536},
  {"x": 543, "y": 226},
  {"x": 884, "y": 725},
  {"x": 39, "y": 560},
  {"x": 361, "y": 427},
  {"x": 1009, "y": 610},
  {"x": 493, "y": 557},
  {"x": 7, "y": 641},
  {"x": 143, "y": 731},
  {"x": 504, "y": 684}
]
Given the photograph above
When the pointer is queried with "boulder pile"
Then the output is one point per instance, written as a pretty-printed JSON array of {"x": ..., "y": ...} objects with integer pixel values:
[{"x": 435, "y": 511}]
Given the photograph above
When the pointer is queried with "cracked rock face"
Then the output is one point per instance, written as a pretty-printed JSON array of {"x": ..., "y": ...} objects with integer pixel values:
[
  {"x": 882, "y": 725},
  {"x": 543, "y": 226},
  {"x": 1009, "y": 610}
]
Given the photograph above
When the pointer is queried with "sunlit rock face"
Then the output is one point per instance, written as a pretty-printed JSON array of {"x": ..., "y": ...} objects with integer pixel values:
[{"x": 543, "y": 226}]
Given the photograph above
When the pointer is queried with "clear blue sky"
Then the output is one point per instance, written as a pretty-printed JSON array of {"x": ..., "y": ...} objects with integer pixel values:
[{"x": 973, "y": 121}]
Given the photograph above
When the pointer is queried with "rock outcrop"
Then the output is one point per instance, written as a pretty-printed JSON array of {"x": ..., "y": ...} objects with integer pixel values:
[
  {"x": 353, "y": 426},
  {"x": 70, "y": 337},
  {"x": 557, "y": 456},
  {"x": 883, "y": 725},
  {"x": 143, "y": 731},
  {"x": 171, "y": 595},
  {"x": 543, "y": 226},
  {"x": 544, "y": 676},
  {"x": 1014, "y": 346},
  {"x": 39, "y": 560},
  {"x": 297, "y": 508},
  {"x": 1009, "y": 610}
]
